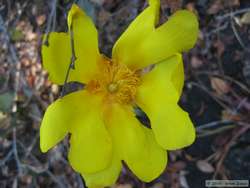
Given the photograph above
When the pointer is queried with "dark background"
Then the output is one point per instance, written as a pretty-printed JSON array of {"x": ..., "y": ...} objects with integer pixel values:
[{"x": 216, "y": 92}]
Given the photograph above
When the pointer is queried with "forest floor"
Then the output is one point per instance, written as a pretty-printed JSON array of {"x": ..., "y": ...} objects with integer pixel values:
[{"x": 216, "y": 91}]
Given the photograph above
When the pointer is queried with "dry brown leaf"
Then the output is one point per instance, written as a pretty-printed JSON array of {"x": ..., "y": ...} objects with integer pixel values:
[
  {"x": 190, "y": 6},
  {"x": 245, "y": 19},
  {"x": 215, "y": 7},
  {"x": 220, "y": 86},
  {"x": 40, "y": 19},
  {"x": 196, "y": 62},
  {"x": 178, "y": 165},
  {"x": 123, "y": 186},
  {"x": 54, "y": 88},
  {"x": 30, "y": 35},
  {"x": 231, "y": 3},
  {"x": 26, "y": 179},
  {"x": 2, "y": 116},
  {"x": 204, "y": 166},
  {"x": 228, "y": 115},
  {"x": 220, "y": 47},
  {"x": 158, "y": 185}
]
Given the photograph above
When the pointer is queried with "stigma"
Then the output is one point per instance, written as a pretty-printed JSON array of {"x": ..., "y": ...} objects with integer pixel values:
[
  {"x": 115, "y": 82},
  {"x": 112, "y": 87}
]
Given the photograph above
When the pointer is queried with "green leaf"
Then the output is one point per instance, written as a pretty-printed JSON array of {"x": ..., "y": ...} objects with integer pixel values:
[
  {"x": 16, "y": 35},
  {"x": 6, "y": 100}
]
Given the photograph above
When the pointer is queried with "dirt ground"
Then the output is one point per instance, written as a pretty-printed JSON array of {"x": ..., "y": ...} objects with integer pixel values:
[{"x": 216, "y": 92}]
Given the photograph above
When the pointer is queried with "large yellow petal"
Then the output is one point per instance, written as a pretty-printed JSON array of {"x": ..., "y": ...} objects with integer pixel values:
[
  {"x": 166, "y": 79},
  {"x": 178, "y": 34},
  {"x": 106, "y": 177},
  {"x": 57, "y": 56},
  {"x": 136, "y": 144},
  {"x": 90, "y": 142},
  {"x": 172, "y": 126},
  {"x": 58, "y": 118},
  {"x": 135, "y": 34},
  {"x": 158, "y": 97}
]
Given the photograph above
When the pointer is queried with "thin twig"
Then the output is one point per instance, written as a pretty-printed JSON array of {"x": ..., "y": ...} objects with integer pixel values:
[
  {"x": 228, "y": 15},
  {"x": 215, "y": 127},
  {"x": 33, "y": 142},
  {"x": 217, "y": 29},
  {"x": 15, "y": 61},
  {"x": 216, "y": 131},
  {"x": 14, "y": 147},
  {"x": 240, "y": 105},
  {"x": 21, "y": 7},
  {"x": 72, "y": 61},
  {"x": 210, "y": 94},
  {"x": 212, "y": 125},
  {"x": 6, "y": 81},
  {"x": 6, "y": 158},
  {"x": 54, "y": 17},
  {"x": 227, "y": 147},
  {"x": 238, "y": 83},
  {"x": 243, "y": 124},
  {"x": 72, "y": 46},
  {"x": 51, "y": 22},
  {"x": 46, "y": 170},
  {"x": 237, "y": 35}
]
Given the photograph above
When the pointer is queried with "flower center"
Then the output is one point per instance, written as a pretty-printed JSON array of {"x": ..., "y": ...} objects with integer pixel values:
[
  {"x": 115, "y": 81},
  {"x": 112, "y": 87}
]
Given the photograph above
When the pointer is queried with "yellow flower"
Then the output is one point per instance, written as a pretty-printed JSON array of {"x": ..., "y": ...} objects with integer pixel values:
[{"x": 103, "y": 127}]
